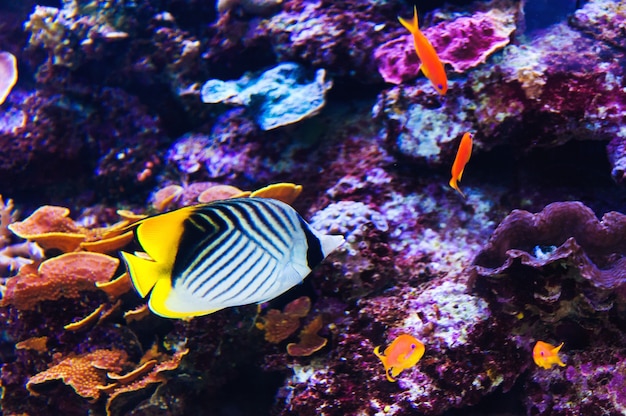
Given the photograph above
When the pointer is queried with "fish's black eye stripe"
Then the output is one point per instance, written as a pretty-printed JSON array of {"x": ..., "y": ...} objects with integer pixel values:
[{"x": 194, "y": 243}]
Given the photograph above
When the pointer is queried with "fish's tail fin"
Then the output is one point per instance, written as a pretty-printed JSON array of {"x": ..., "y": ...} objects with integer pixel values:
[
  {"x": 413, "y": 25},
  {"x": 455, "y": 186},
  {"x": 330, "y": 243}
]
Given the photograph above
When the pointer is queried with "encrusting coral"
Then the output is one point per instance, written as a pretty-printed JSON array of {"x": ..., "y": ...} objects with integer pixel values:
[{"x": 463, "y": 43}]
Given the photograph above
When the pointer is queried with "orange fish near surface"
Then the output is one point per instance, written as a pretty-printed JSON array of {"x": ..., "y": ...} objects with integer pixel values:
[
  {"x": 431, "y": 65},
  {"x": 461, "y": 159},
  {"x": 546, "y": 355},
  {"x": 403, "y": 353}
]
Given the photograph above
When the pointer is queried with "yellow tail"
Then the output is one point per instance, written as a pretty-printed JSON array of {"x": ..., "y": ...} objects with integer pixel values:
[{"x": 412, "y": 26}]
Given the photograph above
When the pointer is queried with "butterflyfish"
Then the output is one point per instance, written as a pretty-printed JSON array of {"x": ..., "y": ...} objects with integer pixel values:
[
  {"x": 431, "y": 65},
  {"x": 547, "y": 355},
  {"x": 203, "y": 258},
  {"x": 403, "y": 353},
  {"x": 462, "y": 157}
]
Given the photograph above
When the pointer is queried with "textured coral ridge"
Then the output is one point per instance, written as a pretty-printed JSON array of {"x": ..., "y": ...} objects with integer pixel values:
[
  {"x": 541, "y": 90},
  {"x": 559, "y": 274}
]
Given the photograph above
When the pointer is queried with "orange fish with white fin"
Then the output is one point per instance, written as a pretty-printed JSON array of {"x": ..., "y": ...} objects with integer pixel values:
[
  {"x": 462, "y": 157},
  {"x": 431, "y": 65},
  {"x": 547, "y": 355},
  {"x": 403, "y": 353}
]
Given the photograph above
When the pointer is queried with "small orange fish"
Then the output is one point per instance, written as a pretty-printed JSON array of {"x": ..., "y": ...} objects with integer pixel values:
[
  {"x": 461, "y": 159},
  {"x": 431, "y": 65},
  {"x": 546, "y": 355},
  {"x": 403, "y": 353}
]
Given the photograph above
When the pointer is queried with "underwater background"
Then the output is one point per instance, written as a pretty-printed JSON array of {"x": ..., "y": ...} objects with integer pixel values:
[{"x": 117, "y": 109}]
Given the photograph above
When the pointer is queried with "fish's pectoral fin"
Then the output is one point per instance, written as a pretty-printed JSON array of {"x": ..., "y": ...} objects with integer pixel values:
[{"x": 143, "y": 273}]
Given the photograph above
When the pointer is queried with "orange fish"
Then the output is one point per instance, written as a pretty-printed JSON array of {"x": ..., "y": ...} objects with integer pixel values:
[
  {"x": 404, "y": 352},
  {"x": 431, "y": 65},
  {"x": 461, "y": 159},
  {"x": 546, "y": 355}
]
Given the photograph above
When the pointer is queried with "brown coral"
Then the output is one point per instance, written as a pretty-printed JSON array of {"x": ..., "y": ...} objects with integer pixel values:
[
  {"x": 278, "y": 325},
  {"x": 51, "y": 228},
  {"x": 151, "y": 371},
  {"x": 85, "y": 373},
  {"x": 310, "y": 341},
  {"x": 63, "y": 276}
]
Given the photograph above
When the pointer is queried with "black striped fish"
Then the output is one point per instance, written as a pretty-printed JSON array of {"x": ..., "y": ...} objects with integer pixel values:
[{"x": 233, "y": 252}]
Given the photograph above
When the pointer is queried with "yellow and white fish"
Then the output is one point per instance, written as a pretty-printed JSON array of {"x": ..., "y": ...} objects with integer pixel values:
[{"x": 234, "y": 252}]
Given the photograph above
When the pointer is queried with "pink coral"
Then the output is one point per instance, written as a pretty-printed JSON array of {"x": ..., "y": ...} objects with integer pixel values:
[
  {"x": 8, "y": 74},
  {"x": 463, "y": 43}
]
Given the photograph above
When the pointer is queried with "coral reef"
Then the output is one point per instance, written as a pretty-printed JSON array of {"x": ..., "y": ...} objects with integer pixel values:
[
  {"x": 13, "y": 255},
  {"x": 279, "y": 96},
  {"x": 464, "y": 43},
  {"x": 576, "y": 261},
  {"x": 109, "y": 115},
  {"x": 603, "y": 19}
]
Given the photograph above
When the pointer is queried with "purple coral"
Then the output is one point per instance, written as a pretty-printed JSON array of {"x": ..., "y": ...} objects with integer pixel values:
[{"x": 464, "y": 43}]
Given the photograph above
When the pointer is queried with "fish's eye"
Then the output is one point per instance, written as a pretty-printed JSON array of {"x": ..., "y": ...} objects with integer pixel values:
[
  {"x": 440, "y": 86},
  {"x": 412, "y": 346}
]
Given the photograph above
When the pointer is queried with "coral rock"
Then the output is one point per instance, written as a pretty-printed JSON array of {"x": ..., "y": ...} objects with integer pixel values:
[
  {"x": 604, "y": 20},
  {"x": 464, "y": 43},
  {"x": 63, "y": 276},
  {"x": 279, "y": 96},
  {"x": 278, "y": 325},
  {"x": 561, "y": 263},
  {"x": 310, "y": 341},
  {"x": 85, "y": 373}
]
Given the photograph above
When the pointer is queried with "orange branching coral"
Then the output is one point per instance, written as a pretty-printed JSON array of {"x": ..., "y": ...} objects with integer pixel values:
[
  {"x": 176, "y": 196},
  {"x": 63, "y": 276},
  {"x": 151, "y": 371},
  {"x": 39, "y": 344},
  {"x": 117, "y": 287},
  {"x": 310, "y": 341},
  {"x": 109, "y": 244},
  {"x": 278, "y": 325},
  {"x": 164, "y": 197},
  {"x": 51, "y": 228},
  {"x": 217, "y": 192},
  {"x": 137, "y": 314},
  {"x": 85, "y": 373},
  {"x": 87, "y": 322}
]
